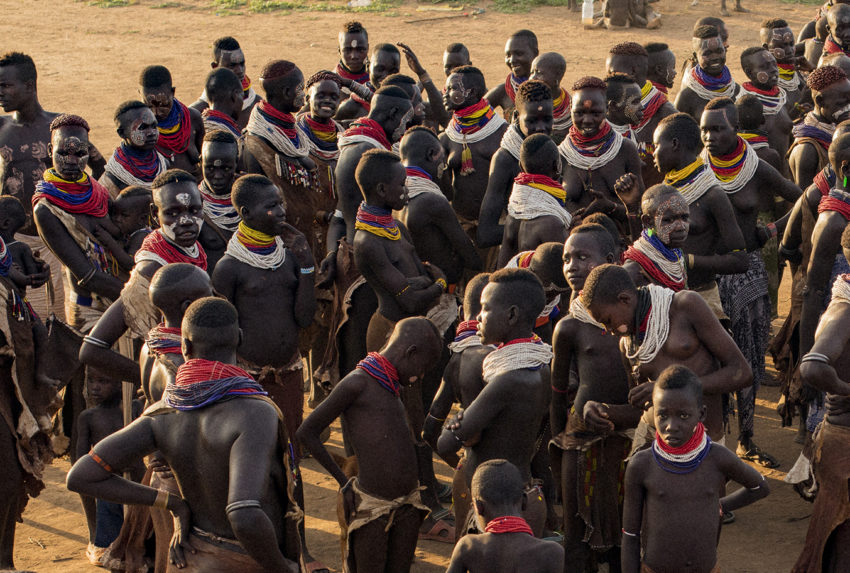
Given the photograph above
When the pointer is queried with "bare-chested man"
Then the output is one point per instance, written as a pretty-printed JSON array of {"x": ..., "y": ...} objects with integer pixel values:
[
  {"x": 588, "y": 423},
  {"x": 435, "y": 231},
  {"x": 661, "y": 66},
  {"x": 549, "y": 68},
  {"x": 135, "y": 161},
  {"x": 537, "y": 211},
  {"x": 224, "y": 94},
  {"x": 385, "y": 61},
  {"x": 533, "y": 114},
  {"x": 381, "y": 509},
  {"x": 213, "y": 426},
  {"x": 520, "y": 51},
  {"x": 227, "y": 54},
  {"x": 24, "y": 137},
  {"x": 596, "y": 156},
  {"x": 657, "y": 328},
  {"x": 825, "y": 368},
  {"x": 812, "y": 136},
  {"x": 181, "y": 128},
  {"x": 504, "y": 420},
  {"x": 747, "y": 180},
  {"x": 219, "y": 164},
  {"x": 472, "y": 137},
  {"x": 709, "y": 77}
]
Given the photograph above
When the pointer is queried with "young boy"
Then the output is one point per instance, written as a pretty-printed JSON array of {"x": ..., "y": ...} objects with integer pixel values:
[
  {"x": 12, "y": 218},
  {"x": 507, "y": 544},
  {"x": 131, "y": 213},
  {"x": 672, "y": 490},
  {"x": 103, "y": 418},
  {"x": 380, "y": 510}
]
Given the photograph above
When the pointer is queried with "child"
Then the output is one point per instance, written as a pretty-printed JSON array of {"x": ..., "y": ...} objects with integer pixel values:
[
  {"x": 673, "y": 487},
  {"x": 12, "y": 218},
  {"x": 131, "y": 214},
  {"x": 507, "y": 544},
  {"x": 94, "y": 424}
]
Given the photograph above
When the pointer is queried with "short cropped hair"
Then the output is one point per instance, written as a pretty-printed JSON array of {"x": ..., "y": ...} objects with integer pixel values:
[
  {"x": 14, "y": 209},
  {"x": 166, "y": 282},
  {"x": 134, "y": 192},
  {"x": 24, "y": 63},
  {"x": 374, "y": 167},
  {"x": 221, "y": 83},
  {"x": 220, "y": 136},
  {"x": 321, "y": 76},
  {"x": 726, "y": 103},
  {"x": 68, "y": 120},
  {"x": 628, "y": 49},
  {"x": 604, "y": 285},
  {"x": 532, "y": 91},
  {"x": 497, "y": 482},
  {"x": 547, "y": 264},
  {"x": 245, "y": 189},
  {"x": 617, "y": 83},
  {"x": 750, "y": 112},
  {"x": 590, "y": 83},
  {"x": 607, "y": 222},
  {"x": 537, "y": 153},
  {"x": 655, "y": 47},
  {"x": 210, "y": 321},
  {"x": 653, "y": 195},
  {"x": 523, "y": 289},
  {"x": 472, "y": 295},
  {"x": 154, "y": 77},
  {"x": 127, "y": 106},
  {"x": 678, "y": 377},
  {"x": 472, "y": 78},
  {"x": 774, "y": 23},
  {"x": 354, "y": 27},
  {"x": 706, "y": 32},
  {"x": 602, "y": 236},
  {"x": 457, "y": 48},
  {"x": 402, "y": 81},
  {"x": 683, "y": 127},
  {"x": 389, "y": 48},
  {"x": 224, "y": 44},
  {"x": 528, "y": 36},
  {"x": 172, "y": 176},
  {"x": 751, "y": 51}
]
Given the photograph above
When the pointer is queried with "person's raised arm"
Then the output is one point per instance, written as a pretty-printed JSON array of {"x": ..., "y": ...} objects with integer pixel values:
[
  {"x": 503, "y": 169},
  {"x": 83, "y": 271},
  {"x": 435, "y": 97},
  {"x": 633, "y": 501},
  {"x": 826, "y": 241},
  {"x": 96, "y": 349},
  {"x": 251, "y": 458}
]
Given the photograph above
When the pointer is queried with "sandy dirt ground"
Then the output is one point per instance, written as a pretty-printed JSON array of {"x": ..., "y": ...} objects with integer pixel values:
[{"x": 91, "y": 63}]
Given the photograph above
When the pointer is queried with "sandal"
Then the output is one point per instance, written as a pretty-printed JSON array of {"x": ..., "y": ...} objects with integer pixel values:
[
  {"x": 757, "y": 455},
  {"x": 442, "y": 531},
  {"x": 315, "y": 565},
  {"x": 728, "y": 517}
]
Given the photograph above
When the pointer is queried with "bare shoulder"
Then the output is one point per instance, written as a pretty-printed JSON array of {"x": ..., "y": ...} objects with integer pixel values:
[
  {"x": 688, "y": 301},
  {"x": 639, "y": 464}
]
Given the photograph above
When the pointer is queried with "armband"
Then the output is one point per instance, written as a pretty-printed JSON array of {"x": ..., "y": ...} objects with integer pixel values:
[
  {"x": 361, "y": 90},
  {"x": 425, "y": 78},
  {"x": 402, "y": 291},
  {"x": 558, "y": 390},
  {"x": 788, "y": 252},
  {"x": 99, "y": 461},
  {"x": 630, "y": 534},
  {"x": 338, "y": 214},
  {"x": 815, "y": 357},
  {"x": 244, "y": 504},
  {"x": 84, "y": 281},
  {"x": 435, "y": 417},
  {"x": 442, "y": 283},
  {"x": 459, "y": 442},
  {"x": 88, "y": 339}
]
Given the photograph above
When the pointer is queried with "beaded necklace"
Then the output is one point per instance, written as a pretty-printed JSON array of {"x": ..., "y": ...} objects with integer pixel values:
[
  {"x": 378, "y": 221},
  {"x": 379, "y": 368},
  {"x": 508, "y": 524},
  {"x": 175, "y": 130},
  {"x": 686, "y": 458}
]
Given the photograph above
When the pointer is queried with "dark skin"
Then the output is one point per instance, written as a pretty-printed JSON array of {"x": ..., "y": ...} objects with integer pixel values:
[
  {"x": 549, "y": 68},
  {"x": 527, "y": 235},
  {"x": 519, "y": 53},
  {"x": 434, "y": 229},
  {"x": 832, "y": 105},
  {"x": 382, "y": 64},
  {"x": 714, "y": 237},
  {"x": 780, "y": 42},
  {"x": 161, "y": 99},
  {"x": 218, "y": 165},
  {"x": 711, "y": 57},
  {"x": 24, "y": 137},
  {"x": 374, "y": 416},
  {"x": 680, "y": 512},
  {"x": 168, "y": 210},
  {"x": 532, "y": 117},
  {"x": 435, "y": 108},
  {"x": 720, "y": 137},
  {"x": 26, "y": 270},
  {"x": 505, "y": 551},
  {"x": 669, "y": 219},
  {"x": 354, "y": 50},
  {"x": 661, "y": 68},
  {"x": 762, "y": 71},
  {"x": 504, "y": 419},
  {"x": 273, "y": 304},
  {"x": 137, "y": 128},
  {"x": 233, "y": 60},
  {"x": 232, "y": 447},
  {"x": 452, "y": 60},
  {"x": 390, "y": 266},
  {"x": 69, "y": 147},
  {"x": 467, "y": 190},
  {"x": 131, "y": 215},
  {"x": 695, "y": 340},
  {"x": 594, "y": 192},
  {"x": 603, "y": 385}
]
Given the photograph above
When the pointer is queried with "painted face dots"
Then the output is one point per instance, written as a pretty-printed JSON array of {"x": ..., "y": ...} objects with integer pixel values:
[
  {"x": 674, "y": 205},
  {"x": 137, "y": 135}
]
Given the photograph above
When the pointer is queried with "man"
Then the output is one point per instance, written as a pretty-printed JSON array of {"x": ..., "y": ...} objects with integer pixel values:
[
  {"x": 549, "y": 68},
  {"x": 227, "y": 54},
  {"x": 808, "y": 153},
  {"x": 656, "y": 255},
  {"x": 135, "y": 161},
  {"x": 596, "y": 156},
  {"x": 761, "y": 69},
  {"x": 224, "y": 96},
  {"x": 715, "y": 245},
  {"x": 709, "y": 77},
  {"x": 533, "y": 115},
  {"x": 24, "y": 137},
  {"x": 746, "y": 179},
  {"x": 776, "y": 36},
  {"x": 219, "y": 163},
  {"x": 503, "y": 421},
  {"x": 520, "y": 51},
  {"x": 589, "y": 443},
  {"x": 213, "y": 426},
  {"x": 455, "y": 56},
  {"x": 680, "y": 329},
  {"x": 723, "y": 11},
  {"x": 353, "y": 51},
  {"x": 661, "y": 66},
  {"x": 385, "y": 61},
  {"x": 472, "y": 137},
  {"x": 632, "y": 59},
  {"x": 825, "y": 368},
  {"x": 181, "y": 129},
  {"x": 536, "y": 208},
  {"x": 838, "y": 25},
  {"x": 434, "y": 230},
  {"x": 381, "y": 508}
]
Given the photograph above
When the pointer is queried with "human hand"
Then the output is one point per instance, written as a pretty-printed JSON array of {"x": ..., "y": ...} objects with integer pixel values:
[
  {"x": 296, "y": 242},
  {"x": 453, "y": 423},
  {"x": 803, "y": 64},
  {"x": 412, "y": 60},
  {"x": 596, "y": 417},
  {"x": 641, "y": 395},
  {"x": 158, "y": 464},
  {"x": 626, "y": 188},
  {"x": 327, "y": 270},
  {"x": 39, "y": 278},
  {"x": 434, "y": 271},
  {"x": 182, "y": 528}
]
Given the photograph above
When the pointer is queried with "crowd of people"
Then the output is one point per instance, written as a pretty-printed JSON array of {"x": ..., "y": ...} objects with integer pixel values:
[{"x": 564, "y": 294}]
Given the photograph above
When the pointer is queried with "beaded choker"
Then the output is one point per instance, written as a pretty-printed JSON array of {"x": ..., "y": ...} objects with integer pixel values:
[
  {"x": 219, "y": 208},
  {"x": 199, "y": 383},
  {"x": 413, "y": 171},
  {"x": 837, "y": 200},
  {"x": 773, "y": 100},
  {"x": 757, "y": 139},
  {"x": 379, "y": 368},
  {"x": 377, "y": 221},
  {"x": 561, "y": 111},
  {"x": 508, "y": 524},
  {"x": 712, "y": 83},
  {"x": 214, "y": 119},
  {"x": 734, "y": 170},
  {"x": 157, "y": 248},
  {"x": 164, "y": 340},
  {"x": 543, "y": 183},
  {"x": 359, "y": 77},
  {"x": 664, "y": 265},
  {"x": 365, "y": 130},
  {"x": 83, "y": 196},
  {"x": 512, "y": 84},
  {"x": 686, "y": 458},
  {"x": 651, "y": 99},
  {"x": 136, "y": 167},
  {"x": 175, "y": 130},
  {"x": 692, "y": 181},
  {"x": 812, "y": 128},
  {"x": 830, "y": 46}
]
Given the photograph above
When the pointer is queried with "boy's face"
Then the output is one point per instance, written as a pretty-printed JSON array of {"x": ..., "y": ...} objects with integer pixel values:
[
  {"x": 762, "y": 70},
  {"x": 383, "y": 64},
  {"x": 672, "y": 220},
  {"x": 677, "y": 413},
  {"x": 266, "y": 213},
  {"x": 160, "y": 100},
  {"x": 495, "y": 313},
  {"x": 628, "y": 110},
  {"x": 535, "y": 117},
  {"x": 180, "y": 213},
  {"x": 518, "y": 57},
  {"x": 581, "y": 255},
  {"x": 131, "y": 214},
  {"x": 138, "y": 128},
  {"x": 218, "y": 165},
  {"x": 353, "y": 49},
  {"x": 101, "y": 388}
]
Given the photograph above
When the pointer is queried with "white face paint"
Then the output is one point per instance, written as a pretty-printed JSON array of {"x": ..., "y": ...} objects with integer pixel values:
[
  {"x": 402, "y": 126},
  {"x": 183, "y": 198},
  {"x": 353, "y": 43},
  {"x": 170, "y": 231},
  {"x": 623, "y": 329}
]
